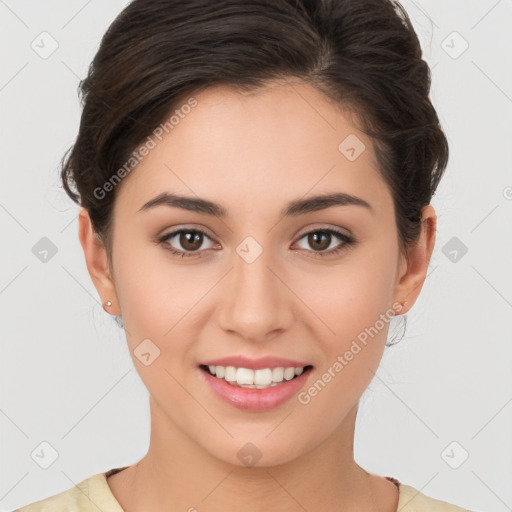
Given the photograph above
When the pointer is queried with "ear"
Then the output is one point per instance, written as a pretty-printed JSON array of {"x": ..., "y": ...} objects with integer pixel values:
[
  {"x": 411, "y": 282},
  {"x": 97, "y": 262}
]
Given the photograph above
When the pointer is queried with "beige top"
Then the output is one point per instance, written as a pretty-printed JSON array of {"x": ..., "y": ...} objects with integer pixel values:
[{"x": 93, "y": 494}]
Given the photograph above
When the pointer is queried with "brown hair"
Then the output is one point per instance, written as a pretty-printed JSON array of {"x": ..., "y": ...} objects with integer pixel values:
[{"x": 363, "y": 54}]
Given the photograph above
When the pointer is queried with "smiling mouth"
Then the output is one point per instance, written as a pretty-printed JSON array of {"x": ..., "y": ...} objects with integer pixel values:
[{"x": 255, "y": 379}]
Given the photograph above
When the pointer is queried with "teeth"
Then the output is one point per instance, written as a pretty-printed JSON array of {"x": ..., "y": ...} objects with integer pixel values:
[
  {"x": 229, "y": 373},
  {"x": 277, "y": 374},
  {"x": 289, "y": 373},
  {"x": 255, "y": 379}
]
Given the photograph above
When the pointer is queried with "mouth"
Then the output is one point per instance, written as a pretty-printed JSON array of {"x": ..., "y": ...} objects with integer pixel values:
[{"x": 262, "y": 378}]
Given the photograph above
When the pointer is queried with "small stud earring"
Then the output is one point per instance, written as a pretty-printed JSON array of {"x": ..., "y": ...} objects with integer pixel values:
[{"x": 107, "y": 305}]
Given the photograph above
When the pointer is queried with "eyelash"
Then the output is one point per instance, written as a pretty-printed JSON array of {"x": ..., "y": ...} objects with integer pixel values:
[{"x": 347, "y": 242}]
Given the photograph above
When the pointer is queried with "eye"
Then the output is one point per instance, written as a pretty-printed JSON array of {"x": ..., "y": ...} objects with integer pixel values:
[
  {"x": 191, "y": 240},
  {"x": 322, "y": 239}
]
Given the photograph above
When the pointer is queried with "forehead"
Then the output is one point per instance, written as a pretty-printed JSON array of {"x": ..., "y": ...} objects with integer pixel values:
[{"x": 250, "y": 149}]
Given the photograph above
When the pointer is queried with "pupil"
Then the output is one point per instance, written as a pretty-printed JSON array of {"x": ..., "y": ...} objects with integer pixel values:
[
  {"x": 314, "y": 237},
  {"x": 187, "y": 244}
]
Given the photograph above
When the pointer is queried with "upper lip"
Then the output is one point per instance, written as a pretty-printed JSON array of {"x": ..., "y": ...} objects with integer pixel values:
[{"x": 255, "y": 364}]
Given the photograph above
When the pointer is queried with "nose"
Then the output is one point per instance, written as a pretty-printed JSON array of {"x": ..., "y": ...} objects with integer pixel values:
[{"x": 257, "y": 302}]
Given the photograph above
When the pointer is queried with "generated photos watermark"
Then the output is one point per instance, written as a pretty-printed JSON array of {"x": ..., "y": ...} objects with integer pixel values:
[
  {"x": 145, "y": 148},
  {"x": 304, "y": 397}
]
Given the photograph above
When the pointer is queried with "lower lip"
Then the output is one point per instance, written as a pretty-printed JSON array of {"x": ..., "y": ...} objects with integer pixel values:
[{"x": 256, "y": 399}]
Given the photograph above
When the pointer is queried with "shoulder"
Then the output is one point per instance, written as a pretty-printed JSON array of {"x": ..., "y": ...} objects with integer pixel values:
[
  {"x": 412, "y": 500},
  {"x": 90, "y": 494}
]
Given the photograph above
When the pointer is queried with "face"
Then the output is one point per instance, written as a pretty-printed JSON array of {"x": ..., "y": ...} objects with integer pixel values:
[{"x": 315, "y": 285}]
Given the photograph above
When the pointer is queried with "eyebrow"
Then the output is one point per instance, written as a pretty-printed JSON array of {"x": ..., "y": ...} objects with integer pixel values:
[{"x": 293, "y": 209}]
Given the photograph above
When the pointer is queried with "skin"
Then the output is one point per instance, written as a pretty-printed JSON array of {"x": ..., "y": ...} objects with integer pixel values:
[{"x": 253, "y": 153}]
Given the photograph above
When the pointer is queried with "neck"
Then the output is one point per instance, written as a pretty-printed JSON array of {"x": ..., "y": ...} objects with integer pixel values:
[{"x": 178, "y": 474}]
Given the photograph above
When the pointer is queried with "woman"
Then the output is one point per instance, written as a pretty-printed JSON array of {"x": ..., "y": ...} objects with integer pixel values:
[{"x": 255, "y": 182}]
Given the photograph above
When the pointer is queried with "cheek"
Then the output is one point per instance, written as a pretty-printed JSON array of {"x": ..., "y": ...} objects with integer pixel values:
[
  {"x": 352, "y": 295},
  {"x": 355, "y": 305},
  {"x": 353, "y": 302},
  {"x": 153, "y": 290},
  {"x": 162, "y": 300}
]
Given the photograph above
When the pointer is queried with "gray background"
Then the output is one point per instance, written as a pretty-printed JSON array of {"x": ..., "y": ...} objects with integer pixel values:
[{"x": 442, "y": 393}]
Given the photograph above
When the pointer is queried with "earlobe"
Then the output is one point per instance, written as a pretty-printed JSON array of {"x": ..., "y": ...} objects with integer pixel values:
[
  {"x": 410, "y": 284},
  {"x": 97, "y": 262}
]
